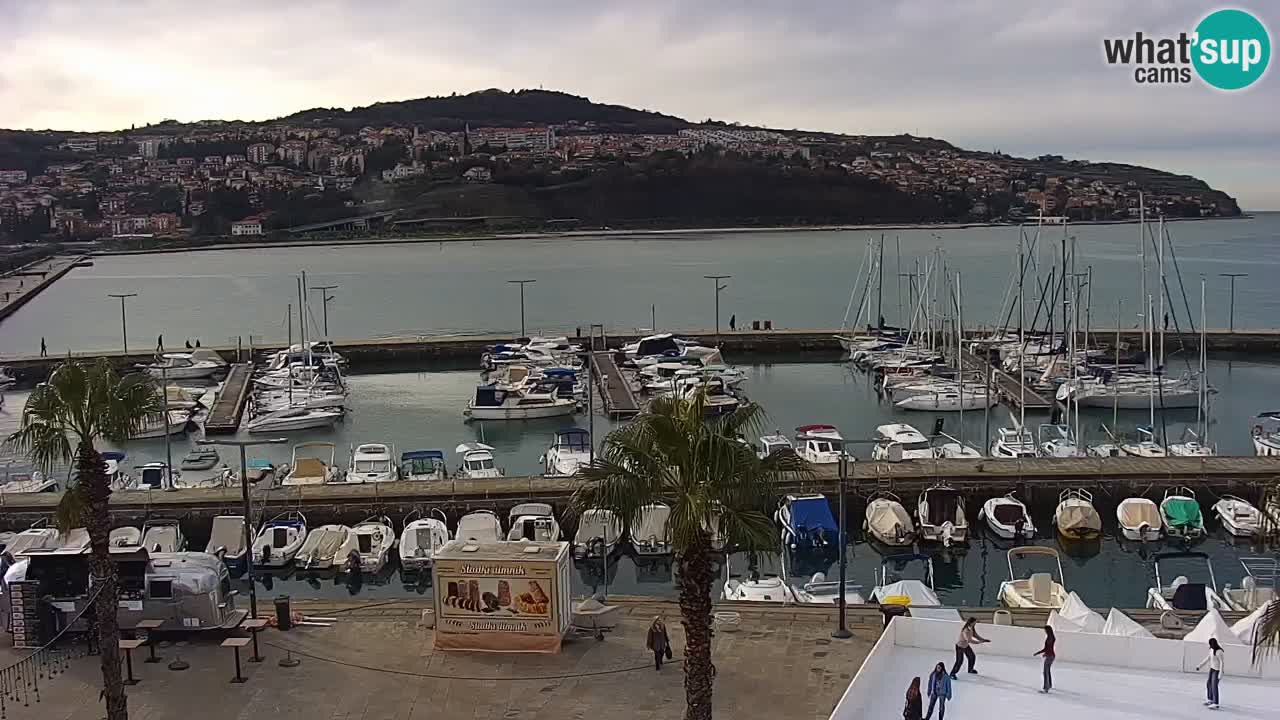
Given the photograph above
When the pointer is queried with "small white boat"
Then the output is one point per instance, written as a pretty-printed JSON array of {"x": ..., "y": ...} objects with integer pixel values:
[
  {"x": 570, "y": 451},
  {"x": 480, "y": 526},
  {"x": 888, "y": 521},
  {"x": 1238, "y": 516},
  {"x": 187, "y": 366},
  {"x": 1075, "y": 517},
  {"x": 899, "y": 441},
  {"x": 227, "y": 541},
  {"x": 294, "y": 418},
  {"x": 423, "y": 465},
  {"x": 948, "y": 399},
  {"x": 1258, "y": 587},
  {"x": 1007, "y": 517},
  {"x": 1146, "y": 445},
  {"x": 421, "y": 539},
  {"x": 1182, "y": 593},
  {"x": 163, "y": 535},
  {"x": 1013, "y": 443},
  {"x": 477, "y": 461},
  {"x": 157, "y": 476},
  {"x": 1058, "y": 441},
  {"x": 598, "y": 532},
  {"x": 372, "y": 462},
  {"x": 1039, "y": 590},
  {"x": 651, "y": 535},
  {"x": 821, "y": 591},
  {"x": 36, "y": 538},
  {"x": 493, "y": 403},
  {"x": 1266, "y": 434},
  {"x": 1181, "y": 513},
  {"x": 770, "y": 444},
  {"x": 32, "y": 482},
  {"x": 941, "y": 517},
  {"x": 819, "y": 444},
  {"x": 374, "y": 539},
  {"x": 891, "y": 581},
  {"x": 200, "y": 458},
  {"x": 312, "y": 464},
  {"x": 533, "y": 521},
  {"x": 757, "y": 588},
  {"x": 1139, "y": 519},
  {"x": 153, "y": 426},
  {"x": 807, "y": 523},
  {"x": 125, "y": 536},
  {"x": 279, "y": 540},
  {"x": 1191, "y": 446},
  {"x": 325, "y": 547}
]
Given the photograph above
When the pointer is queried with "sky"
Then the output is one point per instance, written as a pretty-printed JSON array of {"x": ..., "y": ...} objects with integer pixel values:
[{"x": 1025, "y": 78}]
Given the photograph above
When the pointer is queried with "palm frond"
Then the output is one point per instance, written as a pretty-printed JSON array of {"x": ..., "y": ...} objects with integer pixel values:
[
  {"x": 1266, "y": 633},
  {"x": 73, "y": 509}
]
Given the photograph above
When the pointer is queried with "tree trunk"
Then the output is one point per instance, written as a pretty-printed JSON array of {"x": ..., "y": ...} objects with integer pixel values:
[
  {"x": 92, "y": 474},
  {"x": 694, "y": 577}
]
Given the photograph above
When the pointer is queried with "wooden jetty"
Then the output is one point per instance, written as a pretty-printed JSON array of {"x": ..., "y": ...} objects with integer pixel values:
[
  {"x": 1006, "y": 385},
  {"x": 224, "y": 416},
  {"x": 619, "y": 400}
]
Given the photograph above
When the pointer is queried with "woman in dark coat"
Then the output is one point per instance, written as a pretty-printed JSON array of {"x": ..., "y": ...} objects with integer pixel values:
[
  {"x": 658, "y": 642},
  {"x": 914, "y": 709}
]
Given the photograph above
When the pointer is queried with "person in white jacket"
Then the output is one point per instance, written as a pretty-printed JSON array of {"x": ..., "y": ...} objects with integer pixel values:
[{"x": 1214, "y": 661}]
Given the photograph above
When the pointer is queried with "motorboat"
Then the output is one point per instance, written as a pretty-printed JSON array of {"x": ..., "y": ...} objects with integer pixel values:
[
  {"x": 1258, "y": 586},
  {"x": 1139, "y": 519},
  {"x": 279, "y": 540},
  {"x": 651, "y": 535},
  {"x": 1058, "y": 441},
  {"x": 477, "y": 461},
  {"x": 533, "y": 521},
  {"x": 154, "y": 424},
  {"x": 1008, "y": 518},
  {"x": 163, "y": 535},
  {"x": 124, "y": 536},
  {"x": 819, "y": 444},
  {"x": 948, "y": 398},
  {"x": 312, "y": 464},
  {"x": 1038, "y": 590},
  {"x": 1075, "y": 517},
  {"x": 1238, "y": 516},
  {"x": 807, "y": 523},
  {"x": 570, "y": 451},
  {"x": 259, "y": 469},
  {"x": 186, "y": 366},
  {"x": 941, "y": 517},
  {"x": 325, "y": 548},
  {"x": 1266, "y": 434},
  {"x": 770, "y": 444},
  {"x": 36, "y": 538},
  {"x": 492, "y": 403},
  {"x": 423, "y": 465},
  {"x": 201, "y": 457},
  {"x": 757, "y": 588},
  {"x": 480, "y": 526},
  {"x": 716, "y": 398},
  {"x": 33, "y": 482},
  {"x": 821, "y": 591},
  {"x": 1182, "y": 593},
  {"x": 227, "y": 541},
  {"x": 899, "y": 441},
  {"x": 117, "y": 479},
  {"x": 1013, "y": 443},
  {"x": 374, "y": 539},
  {"x": 421, "y": 539},
  {"x": 888, "y": 521},
  {"x": 1181, "y": 513},
  {"x": 157, "y": 476},
  {"x": 661, "y": 376},
  {"x": 892, "y": 581},
  {"x": 320, "y": 397},
  {"x": 598, "y": 533},
  {"x": 1145, "y": 446},
  {"x": 372, "y": 462},
  {"x": 294, "y": 418}
]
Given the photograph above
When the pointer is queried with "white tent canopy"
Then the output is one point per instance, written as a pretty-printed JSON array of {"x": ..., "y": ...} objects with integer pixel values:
[
  {"x": 1213, "y": 626},
  {"x": 1245, "y": 626},
  {"x": 1120, "y": 624}
]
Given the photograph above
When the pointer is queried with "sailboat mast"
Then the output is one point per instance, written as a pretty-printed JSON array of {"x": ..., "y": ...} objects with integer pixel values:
[
  {"x": 1142, "y": 248},
  {"x": 880, "y": 286},
  {"x": 897, "y": 241},
  {"x": 1202, "y": 412},
  {"x": 1160, "y": 288},
  {"x": 288, "y": 363},
  {"x": 1115, "y": 397},
  {"x": 1151, "y": 367},
  {"x": 959, "y": 359},
  {"x": 1022, "y": 350}
]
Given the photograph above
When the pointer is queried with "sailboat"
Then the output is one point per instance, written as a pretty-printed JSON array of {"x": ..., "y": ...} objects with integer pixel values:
[
  {"x": 1181, "y": 513},
  {"x": 1194, "y": 447}
]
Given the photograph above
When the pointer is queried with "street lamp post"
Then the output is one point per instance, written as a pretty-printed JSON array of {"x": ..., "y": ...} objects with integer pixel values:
[
  {"x": 842, "y": 628},
  {"x": 124, "y": 327},
  {"x": 244, "y": 496},
  {"x": 716, "y": 279},
  {"x": 325, "y": 297},
  {"x": 1232, "y": 321},
  {"x": 522, "y": 283}
]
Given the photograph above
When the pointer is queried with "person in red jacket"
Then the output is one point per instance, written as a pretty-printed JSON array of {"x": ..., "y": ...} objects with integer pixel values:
[{"x": 1048, "y": 654}]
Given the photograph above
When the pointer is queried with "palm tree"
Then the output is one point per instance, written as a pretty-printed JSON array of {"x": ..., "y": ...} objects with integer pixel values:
[
  {"x": 87, "y": 403},
  {"x": 712, "y": 482}
]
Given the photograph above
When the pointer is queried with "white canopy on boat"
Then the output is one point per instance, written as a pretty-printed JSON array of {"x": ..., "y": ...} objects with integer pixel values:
[
  {"x": 1120, "y": 624},
  {"x": 1245, "y": 626},
  {"x": 1213, "y": 626},
  {"x": 1077, "y": 613}
]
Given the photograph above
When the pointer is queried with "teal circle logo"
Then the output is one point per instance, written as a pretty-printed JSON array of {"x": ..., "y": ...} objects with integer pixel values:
[{"x": 1232, "y": 49}]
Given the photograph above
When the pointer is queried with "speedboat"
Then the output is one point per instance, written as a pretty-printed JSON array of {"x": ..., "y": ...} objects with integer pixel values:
[
  {"x": 1258, "y": 587},
  {"x": 187, "y": 366},
  {"x": 372, "y": 462},
  {"x": 1182, "y": 594},
  {"x": 156, "y": 476},
  {"x": 36, "y": 538},
  {"x": 202, "y": 457},
  {"x": 821, "y": 591},
  {"x": 117, "y": 479},
  {"x": 819, "y": 444},
  {"x": 598, "y": 533},
  {"x": 125, "y": 536},
  {"x": 477, "y": 461},
  {"x": 163, "y": 535},
  {"x": 1266, "y": 434},
  {"x": 33, "y": 482},
  {"x": 533, "y": 521},
  {"x": 1238, "y": 516},
  {"x": 423, "y": 465},
  {"x": 1075, "y": 517},
  {"x": 154, "y": 424},
  {"x": 661, "y": 376},
  {"x": 570, "y": 451},
  {"x": 1007, "y": 517},
  {"x": 279, "y": 540},
  {"x": 1139, "y": 519},
  {"x": 421, "y": 539},
  {"x": 899, "y": 441},
  {"x": 1013, "y": 443},
  {"x": 1058, "y": 441},
  {"x": 1181, "y": 513},
  {"x": 374, "y": 540},
  {"x": 757, "y": 588},
  {"x": 891, "y": 581},
  {"x": 888, "y": 521},
  {"x": 807, "y": 523},
  {"x": 940, "y": 512},
  {"x": 492, "y": 403},
  {"x": 316, "y": 467},
  {"x": 770, "y": 444},
  {"x": 294, "y": 418},
  {"x": 480, "y": 526},
  {"x": 325, "y": 547},
  {"x": 651, "y": 535},
  {"x": 226, "y": 540},
  {"x": 1038, "y": 590},
  {"x": 1146, "y": 445}
]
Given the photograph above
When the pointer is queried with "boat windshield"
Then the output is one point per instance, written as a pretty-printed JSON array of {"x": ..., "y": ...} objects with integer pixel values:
[
  {"x": 373, "y": 465},
  {"x": 821, "y": 446},
  {"x": 918, "y": 445},
  {"x": 481, "y": 464},
  {"x": 420, "y": 466}
]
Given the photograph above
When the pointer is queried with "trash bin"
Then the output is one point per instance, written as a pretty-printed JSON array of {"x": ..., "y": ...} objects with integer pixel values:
[
  {"x": 892, "y": 610},
  {"x": 284, "y": 620}
]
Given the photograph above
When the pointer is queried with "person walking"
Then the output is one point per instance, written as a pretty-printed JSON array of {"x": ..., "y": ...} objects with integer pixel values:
[
  {"x": 1214, "y": 661},
  {"x": 968, "y": 636},
  {"x": 939, "y": 691},
  {"x": 658, "y": 642},
  {"x": 44, "y": 349},
  {"x": 160, "y": 343},
  {"x": 188, "y": 344},
  {"x": 913, "y": 710},
  {"x": 197, "y": 342},
  {"x": 1048, "y": 654},
  {"x": 733, "y": 321}
]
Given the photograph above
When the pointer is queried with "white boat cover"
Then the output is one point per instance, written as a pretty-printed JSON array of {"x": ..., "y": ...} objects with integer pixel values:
[
  {"x": 936, "y": 613},
  {"x": 884, "y": 517},
  {"x": 161, "y": 538},
  {"x": 1075, "y": 611},
  {"x": 1078, "y": 516},
  {"x": 1213, "y": 626},
  {"x": 1061, "y": 624},
  {"x": 919, "y": 593},
  {"x": 1244, "y": 627},
  {"x": 228, "y": 533},
  {"x": 652, "y": 525},
  {"x": 1124, "y": 626},
  {"x": 1134, "y": 515},
  {"x": 324, "y": 542}
]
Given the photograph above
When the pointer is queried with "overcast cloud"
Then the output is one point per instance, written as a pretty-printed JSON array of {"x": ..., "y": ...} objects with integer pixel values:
[{"x": 1027, "y": 77}]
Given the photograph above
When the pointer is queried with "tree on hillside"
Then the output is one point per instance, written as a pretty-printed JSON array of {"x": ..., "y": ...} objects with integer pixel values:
[
  {"x": 88, "y": 403},
  {"x": 714, "y": 485}
]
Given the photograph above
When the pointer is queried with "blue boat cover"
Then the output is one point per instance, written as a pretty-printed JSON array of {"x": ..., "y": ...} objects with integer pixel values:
[
  {"x": 260, "y": 464},
  {"x": 812, "y": 514},
  {"x": 559, "y": 372},
  {"x": 423, "y": 455},
  {"x": 112, "y": 455}
]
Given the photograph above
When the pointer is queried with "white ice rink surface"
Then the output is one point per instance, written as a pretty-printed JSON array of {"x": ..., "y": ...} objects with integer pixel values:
[{"x": 1009, "y": 689}]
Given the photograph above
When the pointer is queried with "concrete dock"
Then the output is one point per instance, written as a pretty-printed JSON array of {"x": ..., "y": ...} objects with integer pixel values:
[
  {"x": 19, "y": 286},
  {"x": 224, "y": 417},
  {"x": 1005, "y": 385},
  {"x": 619, "y": 400}
]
